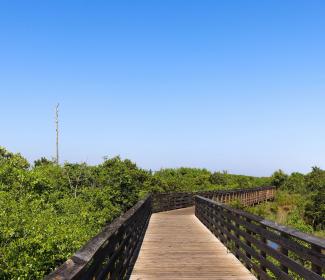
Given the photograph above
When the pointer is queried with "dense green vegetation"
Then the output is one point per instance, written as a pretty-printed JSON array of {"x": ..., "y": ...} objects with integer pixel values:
[
  {"x": 47, "y": 211},
  {"x": 299, "y": 202}
]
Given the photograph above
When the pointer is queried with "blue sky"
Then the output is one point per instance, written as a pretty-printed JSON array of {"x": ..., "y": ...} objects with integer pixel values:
[{"x": 225, "y": 85}]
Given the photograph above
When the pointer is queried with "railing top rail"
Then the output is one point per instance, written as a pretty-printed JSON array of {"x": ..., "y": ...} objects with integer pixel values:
[
  {"x": 313, "y": 240},
  {"x": 221, "y": 191}
]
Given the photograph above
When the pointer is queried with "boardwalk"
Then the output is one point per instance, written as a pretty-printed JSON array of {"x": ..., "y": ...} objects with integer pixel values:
[{"x": 178, "y": 246}]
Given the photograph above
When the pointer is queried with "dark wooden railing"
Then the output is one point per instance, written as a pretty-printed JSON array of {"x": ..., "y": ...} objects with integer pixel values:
[
  {"x": 269, "y": 250},
  {"x": 170, "y": 201},
  {"x": 112, "y": 253}
]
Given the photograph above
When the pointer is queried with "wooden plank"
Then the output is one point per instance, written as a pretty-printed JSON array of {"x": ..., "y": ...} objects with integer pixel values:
[{"x": 178, "y": 246}]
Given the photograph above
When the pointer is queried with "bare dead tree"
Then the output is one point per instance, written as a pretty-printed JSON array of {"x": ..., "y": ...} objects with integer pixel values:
[
  {"x": 77, "y": 175},
  {"x": 57, "y": 132}
]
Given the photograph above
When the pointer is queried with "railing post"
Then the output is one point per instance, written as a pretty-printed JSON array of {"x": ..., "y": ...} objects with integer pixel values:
[
  {"x": 284, "y": 251},
  {"x": 214, "y": 221},
  {"x": 315, "y": 268},
  {"x": 237, "y": 235},
  {"x": 218, "y": 223},
  {"x": 246, "y": 241},
  {"x": 263, "y": 254},
  {"x": 228, "y": 221}
]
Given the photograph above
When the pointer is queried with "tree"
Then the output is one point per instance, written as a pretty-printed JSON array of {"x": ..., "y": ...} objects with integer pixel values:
[
  {"x": 13, "y": 171},
  {"x": 78, "y": 175},
  {"x": 219, "y": 178},
  {"x": 295, "y": 183},
  {"x": 42, "y": 161},
  {"x": 279, "y": 178},
  {"x": 315, "y": 180},
  {"x": 315, "y": 209}
]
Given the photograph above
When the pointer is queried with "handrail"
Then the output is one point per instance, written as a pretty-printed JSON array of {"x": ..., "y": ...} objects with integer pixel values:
[
  {"x": 171, "y": 200},
  {"x": 262, "y": 245},
  {"x": 111, "y": 253}
]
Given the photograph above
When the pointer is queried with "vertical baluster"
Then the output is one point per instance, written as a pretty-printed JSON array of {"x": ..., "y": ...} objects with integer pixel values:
[
  {"x": 228, "y": 221},
  {"x": 218, "y": 223},
  {"x": 213, "y": 219},
  {"x": 263, "y": 254},
  {"x": 317, "y": 269},
  {"x": 237, "y": 235},
  {"x": 284, "y": 251},
  {"x": 246, "y": 241},
  {"x": 248, "y": 255}
]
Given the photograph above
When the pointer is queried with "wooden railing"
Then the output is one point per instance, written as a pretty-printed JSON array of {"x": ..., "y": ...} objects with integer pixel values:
[
  {"x": 170, "y": 201},
  {"x": 112, "y": 253},
  {"x": 270, "y": 250}
]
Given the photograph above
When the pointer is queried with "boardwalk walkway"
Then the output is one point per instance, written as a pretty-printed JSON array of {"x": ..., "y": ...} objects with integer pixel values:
[{"x": 178, "y": 246}]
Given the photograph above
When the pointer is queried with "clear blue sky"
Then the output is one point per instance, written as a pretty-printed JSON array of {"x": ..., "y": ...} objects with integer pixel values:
[{"x": 234, "y": 85}]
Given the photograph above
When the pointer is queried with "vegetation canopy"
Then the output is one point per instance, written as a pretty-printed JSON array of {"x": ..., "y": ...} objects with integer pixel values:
[{"x": 48, "y": 211}]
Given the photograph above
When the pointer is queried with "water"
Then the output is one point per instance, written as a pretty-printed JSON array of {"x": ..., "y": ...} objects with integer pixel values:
[{"x": 272, "y": 244}]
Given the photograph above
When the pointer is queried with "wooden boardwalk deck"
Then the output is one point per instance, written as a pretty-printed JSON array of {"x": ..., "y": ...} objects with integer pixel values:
[{"x": 178, "y": 246}]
